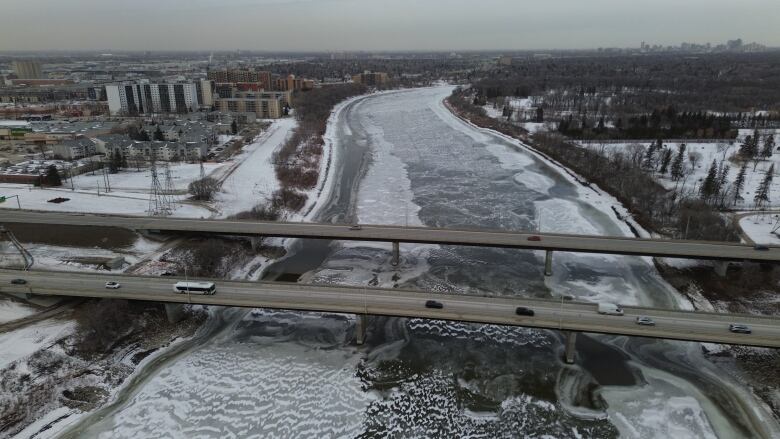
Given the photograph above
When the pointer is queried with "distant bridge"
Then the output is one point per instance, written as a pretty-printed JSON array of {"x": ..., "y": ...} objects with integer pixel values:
[{"x": 724, "y": 251}]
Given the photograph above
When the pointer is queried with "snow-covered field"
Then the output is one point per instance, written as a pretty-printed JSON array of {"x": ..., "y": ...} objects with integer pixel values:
[
  {"x": 125, "y": 203},
  {"x": 253, "y": 180},
  {"x": 759, "y": 227},
  {"x": 133, "y": 180}
]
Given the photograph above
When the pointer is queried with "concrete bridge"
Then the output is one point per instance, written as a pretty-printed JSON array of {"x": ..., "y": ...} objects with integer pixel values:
[
  {"x": 549, "y": 242},
  {"x": 568, "y": 316}
]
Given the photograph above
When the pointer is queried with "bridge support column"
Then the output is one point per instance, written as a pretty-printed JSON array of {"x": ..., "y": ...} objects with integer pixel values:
[
  {"x": 360, "y": 329},
  {"x": 175, "y": 312},
  {"x": 571, "y": 340},
  {"x": 548, "y": 263},
  {"x": 256, "y": 241},
  {"x": 721, "y": 267},
  {"x": 396, "y": 254}
]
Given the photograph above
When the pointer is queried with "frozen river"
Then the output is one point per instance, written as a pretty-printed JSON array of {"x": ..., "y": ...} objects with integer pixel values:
[{"x": 404, "y": 159}]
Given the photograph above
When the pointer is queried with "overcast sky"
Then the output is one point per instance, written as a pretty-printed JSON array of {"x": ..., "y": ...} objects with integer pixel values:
[{"x": 379, "y": 24}]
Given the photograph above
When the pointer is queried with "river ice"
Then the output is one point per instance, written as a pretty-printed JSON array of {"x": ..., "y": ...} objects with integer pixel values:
[{"x": 294, "y": 374}]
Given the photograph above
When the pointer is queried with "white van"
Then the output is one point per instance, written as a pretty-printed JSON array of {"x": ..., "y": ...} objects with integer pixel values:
[{"x": 610, "y": 309}]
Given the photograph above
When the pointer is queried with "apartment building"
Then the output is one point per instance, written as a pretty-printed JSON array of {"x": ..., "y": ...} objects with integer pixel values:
[
  {"x": 264, "y": 105},
  {"x": 27, "y": 69},
  {"x": 291, "y": 83},
  {"x": 144, "y": 98},
  {"x": 370, "y": 78},
  {"x": 73, "y": 149},
  {"x": 241, "y": 75}
]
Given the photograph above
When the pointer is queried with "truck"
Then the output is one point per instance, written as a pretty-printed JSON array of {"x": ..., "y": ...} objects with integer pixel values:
[{"x": 610, "y": 309}]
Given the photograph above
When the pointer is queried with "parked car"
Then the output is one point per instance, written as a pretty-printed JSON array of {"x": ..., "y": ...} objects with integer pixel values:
[
  {"x": 534, "y": 238},
  {"x": 740, "y": 328},
  {"x": 113, "y": 285},
  {"x": 645, "y": 321},
  {"x": 433, "y": 304},
  {"x": 19, "y": 282},
  {"x": 523, "y": 311}
]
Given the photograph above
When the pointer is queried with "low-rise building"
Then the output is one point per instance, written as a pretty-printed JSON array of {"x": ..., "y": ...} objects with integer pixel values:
[
  {"x": 73, "y": 149},
  {"x": 162, "y": 151},
  {"x": 265, "y": 105},
  {"x": 14, "y": 129}
]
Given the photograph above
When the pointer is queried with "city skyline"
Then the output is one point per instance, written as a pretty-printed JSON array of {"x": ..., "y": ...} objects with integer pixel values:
[{"x": 350, "y": 25}]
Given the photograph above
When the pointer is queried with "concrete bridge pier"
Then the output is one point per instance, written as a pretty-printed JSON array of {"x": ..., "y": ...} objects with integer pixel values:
[
  {"x": 256, "y": 242},
  {"x": 396, "y": 254},
  {"x": 175, "y": 312},
  {"x": 571, "y": 340},
  {"x": 360, "y": 329},
  {"x": 548, "y": 263},
  {"x": 721, "y": 267}
]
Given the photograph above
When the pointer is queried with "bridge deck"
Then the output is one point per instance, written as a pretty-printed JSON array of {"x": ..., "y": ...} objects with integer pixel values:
[{"x": 573, "y": 316}]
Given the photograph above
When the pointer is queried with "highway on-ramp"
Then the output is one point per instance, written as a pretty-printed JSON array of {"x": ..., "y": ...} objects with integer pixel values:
[{"x": 562, "y": 315}]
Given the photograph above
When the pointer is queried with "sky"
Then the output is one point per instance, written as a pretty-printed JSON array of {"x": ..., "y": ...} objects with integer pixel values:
[{"x": 336, "y": 25}]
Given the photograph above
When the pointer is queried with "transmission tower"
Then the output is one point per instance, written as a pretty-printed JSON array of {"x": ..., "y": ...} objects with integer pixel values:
[
  {"x": 158, "y": 203},
  {"x": 170, "y": 189}
]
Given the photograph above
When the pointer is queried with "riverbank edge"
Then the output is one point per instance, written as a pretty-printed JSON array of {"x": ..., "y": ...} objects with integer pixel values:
[{"x": 639, "y": 231}]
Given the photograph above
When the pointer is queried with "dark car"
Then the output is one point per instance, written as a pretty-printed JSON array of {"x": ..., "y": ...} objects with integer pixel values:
[
  {"x": 534, "y": 238},
  {"x": 523, "y": 311},
  {"x": 433, "y": 304},
  {"x": 761, "y": 247},
  {"x": 19, "y": 282}
]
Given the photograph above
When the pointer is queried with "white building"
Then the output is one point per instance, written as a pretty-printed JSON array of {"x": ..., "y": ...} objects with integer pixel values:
[
  {"x": 162, "y": 151},
  {"x": 144, "y": 98}
]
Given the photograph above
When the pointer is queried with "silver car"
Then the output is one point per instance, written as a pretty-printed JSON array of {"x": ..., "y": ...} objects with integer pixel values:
[
  {"x": 645, "y": 321},
  {"x": 740, "y": 328}
]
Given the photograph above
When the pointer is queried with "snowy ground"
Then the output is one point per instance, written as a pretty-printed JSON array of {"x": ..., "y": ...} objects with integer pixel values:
[
  {"x": 20, "y": 343},
  {"x": 717, "y": 152},
  {"x": 124, "y": 203},
  {"x": 254, "y": 179},
  {"x": 12, "y": 310},
  {"x": 133, "y": 180},
  {"x": 759, "y": 227}
]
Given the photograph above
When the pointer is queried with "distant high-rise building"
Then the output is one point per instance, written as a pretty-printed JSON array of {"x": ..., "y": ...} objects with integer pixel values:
[
  {"x": 370, "y": 78},
  {"x": 27, "y": 69},
  {"x": 144, "y": 98}
]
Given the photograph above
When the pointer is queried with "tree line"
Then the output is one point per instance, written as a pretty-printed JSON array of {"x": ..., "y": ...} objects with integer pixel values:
[{"x": 624, "y": 175}]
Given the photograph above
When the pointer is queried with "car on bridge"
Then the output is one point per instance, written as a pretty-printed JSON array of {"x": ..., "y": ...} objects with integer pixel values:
[
  {"x": 740, "y": 328},
  {"x": 523, "y": 311},
  {"x": 433, "y": 304},
  {"x": 19, "y": 282},
  {"x": 111, "y": 285},
  {"x": 645, "y": 321}
]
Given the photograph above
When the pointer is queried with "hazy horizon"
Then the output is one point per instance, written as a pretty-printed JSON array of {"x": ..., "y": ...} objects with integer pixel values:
[{"x": 355, "y": 25}]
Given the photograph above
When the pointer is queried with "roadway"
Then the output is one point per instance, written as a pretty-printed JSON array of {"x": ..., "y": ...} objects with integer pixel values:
[
  {"x": 562, "y": 315},
  {"x": 423, "y": 235}
]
